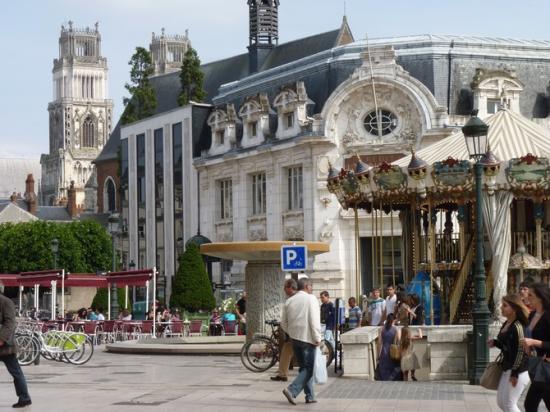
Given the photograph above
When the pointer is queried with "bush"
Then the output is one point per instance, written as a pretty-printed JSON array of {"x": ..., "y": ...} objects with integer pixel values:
[{"x": 192, "y": 290}]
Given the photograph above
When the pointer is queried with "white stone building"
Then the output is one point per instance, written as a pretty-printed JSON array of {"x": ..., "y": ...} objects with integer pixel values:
[{"x": 79, "y": 117}]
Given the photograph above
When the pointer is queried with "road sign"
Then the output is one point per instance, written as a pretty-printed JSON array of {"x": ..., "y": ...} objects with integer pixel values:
[{"x": 294, "y": 258}]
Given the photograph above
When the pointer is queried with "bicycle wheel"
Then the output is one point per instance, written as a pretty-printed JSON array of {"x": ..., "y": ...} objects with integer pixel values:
[
  {"x": 262, "y": 353},
  {"x": 27, "y": 349},
  {"x": 78, "y": 349},
  {"x": 328, "y": 351}
]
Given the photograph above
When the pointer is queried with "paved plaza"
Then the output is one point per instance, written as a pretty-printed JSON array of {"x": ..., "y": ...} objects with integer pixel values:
[{"x": 118, "y": 382}]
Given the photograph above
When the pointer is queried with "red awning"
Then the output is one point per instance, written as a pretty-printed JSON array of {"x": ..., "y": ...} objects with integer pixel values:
[
  {"x": 84, "y": 280},
  {"x": 130, "y": 278},
  {"x": 9, "y": 279},
  {"x": 42, "y": 278}
]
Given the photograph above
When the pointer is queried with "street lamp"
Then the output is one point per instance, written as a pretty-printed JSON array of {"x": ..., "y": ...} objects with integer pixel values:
[
  {"x": 114, "y": 230},
  {"x": 132, "y": 266},
  {"x": 54, "y": 247},
  {"x": 475, "y": 133}
]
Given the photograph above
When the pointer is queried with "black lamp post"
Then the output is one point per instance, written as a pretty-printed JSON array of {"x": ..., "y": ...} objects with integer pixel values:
[
  {"x": 114, "y": 228},
  {"x": 132, "y": 266},
  {"x": 475, "y": 132},
  {"x": 54, "y": 247}
]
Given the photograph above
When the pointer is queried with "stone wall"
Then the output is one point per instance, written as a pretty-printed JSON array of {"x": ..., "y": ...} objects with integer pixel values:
[{"x": 442, "y": 353}]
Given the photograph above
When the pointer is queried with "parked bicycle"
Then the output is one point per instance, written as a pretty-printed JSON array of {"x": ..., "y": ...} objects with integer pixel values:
[
  {"x": 263, "y": 351},
  {"x": 70, "y": 347}
]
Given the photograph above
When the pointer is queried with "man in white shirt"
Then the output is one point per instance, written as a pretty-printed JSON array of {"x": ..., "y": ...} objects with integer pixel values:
[
  {"x": 391, "y": 300},
  {"x": 376, "y": 309},
  {"x": 301, "y": 321}
]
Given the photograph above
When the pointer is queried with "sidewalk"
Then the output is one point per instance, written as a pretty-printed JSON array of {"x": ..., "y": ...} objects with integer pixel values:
[{"x": 114, "y": 382}]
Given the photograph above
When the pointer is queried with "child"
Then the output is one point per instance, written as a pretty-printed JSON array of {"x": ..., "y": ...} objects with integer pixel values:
[{"x": 409, "y": 360}]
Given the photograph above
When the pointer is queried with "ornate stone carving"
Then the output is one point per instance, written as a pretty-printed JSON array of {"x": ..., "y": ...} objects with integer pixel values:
[
  {"x": 326, "y": 234},
  {"x": 294, "y": 233}
]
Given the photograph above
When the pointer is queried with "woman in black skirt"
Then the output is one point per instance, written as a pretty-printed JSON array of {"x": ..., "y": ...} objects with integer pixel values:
[{"x": 538, "y": 333}]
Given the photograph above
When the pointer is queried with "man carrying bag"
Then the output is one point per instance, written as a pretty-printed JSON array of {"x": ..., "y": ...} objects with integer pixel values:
[{"x": 8, "y": 351}]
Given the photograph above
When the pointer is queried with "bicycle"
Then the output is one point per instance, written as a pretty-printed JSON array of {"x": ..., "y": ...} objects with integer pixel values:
[{"x": 263, "y": 351}]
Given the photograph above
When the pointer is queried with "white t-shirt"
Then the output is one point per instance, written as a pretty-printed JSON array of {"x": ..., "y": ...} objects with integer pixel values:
[
  {"x": 390, "y": 304},
  {"x": 376, "y": 310}
]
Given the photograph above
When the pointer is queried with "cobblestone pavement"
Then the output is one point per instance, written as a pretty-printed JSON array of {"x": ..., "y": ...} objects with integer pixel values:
[{"x": 115, "y": 382}]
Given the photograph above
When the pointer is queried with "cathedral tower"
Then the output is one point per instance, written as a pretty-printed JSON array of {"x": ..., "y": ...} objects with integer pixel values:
[
  {"x": 264, "y": 31},
  {"x": 79, "y": 116},
  {"x": 167, "y": 51}
]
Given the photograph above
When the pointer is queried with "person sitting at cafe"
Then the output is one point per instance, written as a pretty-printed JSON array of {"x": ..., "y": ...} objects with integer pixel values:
[
  {"x": 125, "y": 315},
  {"x": 215, "y": 323},
  {"x": 100, "y": 315},
  {"x": 82, "y": 314},
  {"x": 92, "y": 315}
]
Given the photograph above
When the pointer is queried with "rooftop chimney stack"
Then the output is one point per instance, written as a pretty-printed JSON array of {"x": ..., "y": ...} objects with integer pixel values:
[{"x": 30, "y": 195}]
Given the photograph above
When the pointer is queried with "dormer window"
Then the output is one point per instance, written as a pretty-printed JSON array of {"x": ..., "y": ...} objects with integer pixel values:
[
  {"x": 255, "y": 113},
  {"x": 223, "y": 126},
  {"x": 291, "y": 104},
  {"x": 496, "y": 89},
  {"x": 253, "y": 129},
  {"x": 220, "y": 137},
  {"x": 289, "y": 120}
]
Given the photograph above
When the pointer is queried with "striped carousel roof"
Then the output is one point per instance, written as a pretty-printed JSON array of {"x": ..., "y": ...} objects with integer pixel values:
[{"x": 510, "y": 136}]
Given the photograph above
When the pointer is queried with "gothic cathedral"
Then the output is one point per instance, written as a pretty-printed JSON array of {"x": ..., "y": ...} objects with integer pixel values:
[{"x": 80, "y": 118}]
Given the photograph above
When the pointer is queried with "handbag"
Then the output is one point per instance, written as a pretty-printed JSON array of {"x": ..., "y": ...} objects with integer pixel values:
[
  {"x": 395, "y": 350},
  {"x": 320, "y": 368},
  {"x": 491, "y": 377},
  {"x": 539, "y": 369}
]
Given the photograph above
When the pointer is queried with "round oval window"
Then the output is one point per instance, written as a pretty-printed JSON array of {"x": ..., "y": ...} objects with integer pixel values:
[{"x": 380, "y": 125}]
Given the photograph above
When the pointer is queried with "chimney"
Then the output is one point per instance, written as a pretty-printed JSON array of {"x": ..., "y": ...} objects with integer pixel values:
[
  {"x": 30, "y": 196},
  {"x": 71, "y": 200}
]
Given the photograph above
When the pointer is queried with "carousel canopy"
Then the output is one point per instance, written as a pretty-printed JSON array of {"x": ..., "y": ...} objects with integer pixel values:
[{"x": 510, "y": 136}]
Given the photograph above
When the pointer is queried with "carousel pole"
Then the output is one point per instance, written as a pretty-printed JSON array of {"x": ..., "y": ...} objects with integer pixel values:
[
  {"x": 414, "y": 238},
  {"x": 372, "y": 248},
  {"x": 431, "y": 232},
  {"x": 357, "y": 256},
  {"x": 392, "y": 247},
  {"x": 381, "y": 247}
]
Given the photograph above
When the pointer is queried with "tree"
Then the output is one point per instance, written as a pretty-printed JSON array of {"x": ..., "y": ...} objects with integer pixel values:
[
  {"x": 143, "y": 101},
  {"x": 191, "y": 78},
  {"x": 192, "y": 289},
  {"x": 84, "y": 247}
]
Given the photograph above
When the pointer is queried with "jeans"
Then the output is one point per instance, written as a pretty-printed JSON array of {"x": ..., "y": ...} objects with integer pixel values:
[
  {"x": 508, "y": 395},
  {"x": 18, "y": 378},
  {"x": 305, "y": 355}
]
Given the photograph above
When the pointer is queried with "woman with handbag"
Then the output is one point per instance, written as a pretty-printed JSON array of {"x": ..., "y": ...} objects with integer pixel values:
[
  {"x": 514, "y": 377},
  {"x": 538, "y": 333},
  {"x": 389, "y": 358}
]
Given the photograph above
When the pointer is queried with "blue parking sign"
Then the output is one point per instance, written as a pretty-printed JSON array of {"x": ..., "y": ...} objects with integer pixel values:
[{"x": 294, "y": 258}]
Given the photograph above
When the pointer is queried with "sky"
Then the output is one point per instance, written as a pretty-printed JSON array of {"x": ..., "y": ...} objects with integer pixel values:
[{"x": 29, "y": 33}]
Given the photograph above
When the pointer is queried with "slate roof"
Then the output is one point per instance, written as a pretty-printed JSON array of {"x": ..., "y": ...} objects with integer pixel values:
[
  {"x": 167, "y": 87},
  {"x": 53, "y": 213}
]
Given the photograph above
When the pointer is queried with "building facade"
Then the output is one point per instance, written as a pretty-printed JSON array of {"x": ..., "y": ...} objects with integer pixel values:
[
  {"x": 80, "y": 117},
  {"x": 280, "y": 115}
]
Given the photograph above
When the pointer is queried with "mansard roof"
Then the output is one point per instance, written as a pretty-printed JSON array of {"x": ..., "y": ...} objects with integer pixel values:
[{"x": 167, "y": 87}]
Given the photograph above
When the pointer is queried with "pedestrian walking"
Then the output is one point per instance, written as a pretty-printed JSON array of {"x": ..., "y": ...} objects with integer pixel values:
[
  {"x": 409, "y": 360},
  {"x": 328, "y": 317},
  {"x": 388, "y": 369},
  {"x": 538, "y": 332},
  {"x": 391, "y": 301},
  {"x": 8, "y": 351},
  {"x": 354, "y": 318},
  {"x": 514, "y": 378},
  {"x": 285, "y": 342},
  {"x": 376, "y": 309},
  {"x": 301, "y": 321}
]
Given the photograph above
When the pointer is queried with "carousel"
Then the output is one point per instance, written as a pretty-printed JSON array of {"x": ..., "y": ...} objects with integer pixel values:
[{"x": 433, "y": 193}]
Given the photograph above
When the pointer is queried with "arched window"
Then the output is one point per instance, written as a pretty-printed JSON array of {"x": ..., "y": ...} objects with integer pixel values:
[
  {"x": 88, "y": 133},
  {"x": 109, "y": 196}
]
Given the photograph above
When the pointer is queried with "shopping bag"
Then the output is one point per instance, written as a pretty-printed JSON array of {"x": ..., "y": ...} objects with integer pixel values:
[{"x": 320, "y": 368}]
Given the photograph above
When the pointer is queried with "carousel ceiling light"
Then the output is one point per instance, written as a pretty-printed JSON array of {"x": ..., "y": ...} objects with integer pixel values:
[{"x": 475, "y": 133}]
